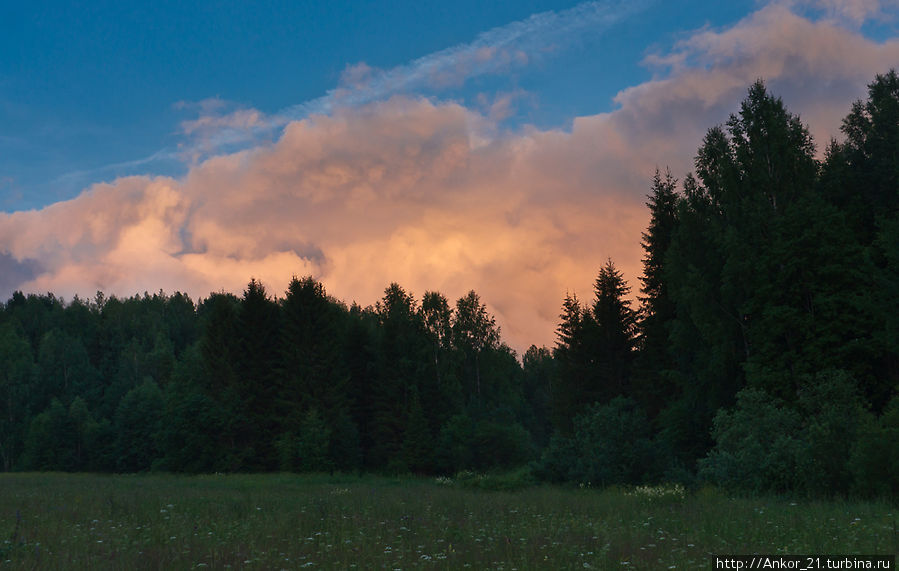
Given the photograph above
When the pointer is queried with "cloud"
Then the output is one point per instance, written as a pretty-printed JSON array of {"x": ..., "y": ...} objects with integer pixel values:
[
  {"x": 848, "y": 12},
  {"x": 495, "y": 51},
  {"x": 434, "y": 195},
  {"x": 818, "y": 68},
  {"x": 241, "y": 119},
  {"x": 400, "y": 190},
  {"x": 14, "y": 272},
  {"x": 505, "y": 104}
]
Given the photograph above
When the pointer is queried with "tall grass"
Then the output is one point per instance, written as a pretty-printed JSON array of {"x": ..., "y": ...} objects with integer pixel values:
[{"x": 57, "y": 521}]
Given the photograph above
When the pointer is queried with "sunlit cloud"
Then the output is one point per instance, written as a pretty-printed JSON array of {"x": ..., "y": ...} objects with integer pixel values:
[{"x": 433, "y": 194}]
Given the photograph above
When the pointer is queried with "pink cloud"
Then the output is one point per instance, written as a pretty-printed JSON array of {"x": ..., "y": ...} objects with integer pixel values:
[{"x": 434, "y": 195}]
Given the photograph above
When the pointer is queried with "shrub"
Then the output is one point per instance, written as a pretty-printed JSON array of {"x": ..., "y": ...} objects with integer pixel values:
[
  {"x": 832, "y": 412},
  {"x": 611, "y": 444},
  {"x": 482, "y": 444},
  {"x": 756, "y": 447},
  {"x": 874, "y": 460}
]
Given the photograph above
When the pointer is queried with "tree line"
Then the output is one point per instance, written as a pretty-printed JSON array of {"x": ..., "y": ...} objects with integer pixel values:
[
  {"x": 258, "y": 383},
  {"x": 762, "y": 352}
]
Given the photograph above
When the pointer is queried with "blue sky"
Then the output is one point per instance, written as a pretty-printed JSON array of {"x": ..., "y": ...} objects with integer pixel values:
[
  {"x": 506, "y": 148},
  {"x": 88, "y": 93}
]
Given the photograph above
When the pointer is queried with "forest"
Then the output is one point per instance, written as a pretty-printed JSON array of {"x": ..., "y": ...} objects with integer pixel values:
[{"x": 759, "y": 352}]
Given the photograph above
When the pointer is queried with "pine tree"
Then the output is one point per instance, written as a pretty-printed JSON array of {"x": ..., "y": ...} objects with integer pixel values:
[{"x": 361, "y": 361}]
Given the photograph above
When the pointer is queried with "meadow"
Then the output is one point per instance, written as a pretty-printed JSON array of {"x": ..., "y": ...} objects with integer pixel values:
[{"x": 284, "y": 521}]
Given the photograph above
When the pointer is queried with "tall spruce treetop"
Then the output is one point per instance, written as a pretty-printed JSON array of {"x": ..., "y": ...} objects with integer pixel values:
[
  {"x": 259, "y": 334},
  {"x": 662, "y": 203},
  {"x": 595, "y": 348},
  {"x": 616, "y": 328},
  {"x": 569, "y": 330},
  {"x": 312, "y": 371},
  {"x": 657, "y": 309},
  {"x": 400, "y": 367},
  {"x": 574, "y": 364}
]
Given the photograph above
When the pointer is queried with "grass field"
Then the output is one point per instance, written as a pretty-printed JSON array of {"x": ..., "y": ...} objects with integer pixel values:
[{"x": 59, "y": 521}]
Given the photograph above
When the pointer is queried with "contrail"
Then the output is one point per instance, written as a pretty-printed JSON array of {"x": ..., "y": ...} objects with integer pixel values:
[{"x": 491, "y": 52}]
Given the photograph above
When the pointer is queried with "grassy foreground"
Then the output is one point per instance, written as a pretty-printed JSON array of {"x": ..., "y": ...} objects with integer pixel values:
[{"x": 59, "y": 521}]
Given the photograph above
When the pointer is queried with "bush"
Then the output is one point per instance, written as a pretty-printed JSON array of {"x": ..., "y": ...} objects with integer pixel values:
[
  {"x": 49, "y": 444},
  {"x": 756, "y": 447},
  {"x": 874, "y": 460},
  {"x": 558, "y": 460},
  {"x": 611, "y": 444},
  {"x": 482, "y": 444},
  {"x": 137, "y": 421},
  {"x": 517, "y": 479},
  {"x": 832, "y": 412}
]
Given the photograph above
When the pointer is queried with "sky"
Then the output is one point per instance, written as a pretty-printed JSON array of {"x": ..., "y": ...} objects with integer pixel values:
[{"x": 506, "y": 147}]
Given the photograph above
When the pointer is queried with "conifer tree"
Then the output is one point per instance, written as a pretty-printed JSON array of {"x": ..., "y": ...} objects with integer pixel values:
[
  {"x": 652, "y": 385},
  {"x": 615, "y": 333},
  {"x": 312, "y": 373},
  {"x": 595, "y": 348},
  {"x": 573, "y": 363},
  {"x": 259, "y": 339},
  {"x": 15, "y": 375},
  {"x": 400, "y": 367}
]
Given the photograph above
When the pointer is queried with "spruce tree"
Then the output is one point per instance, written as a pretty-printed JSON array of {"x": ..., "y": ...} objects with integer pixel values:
[
  {"x": 258, "y": 322},
  {"x": 614, "y": 337},
  {"x": 573, "y": 363},
  {"x": 401, "y": 359},
  {"x": 312, "y": 373},
  {"x": 652, "y": 379}
]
